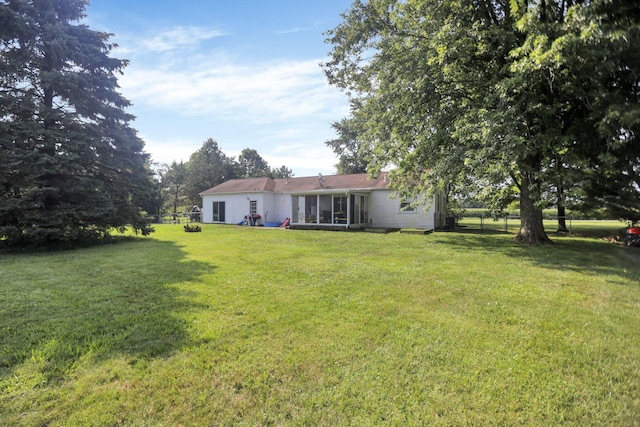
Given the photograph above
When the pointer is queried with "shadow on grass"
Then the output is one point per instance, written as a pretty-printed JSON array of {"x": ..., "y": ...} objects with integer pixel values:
[
  {"x": 99, "y": 302},
  {"x": 566, "y": 253}
]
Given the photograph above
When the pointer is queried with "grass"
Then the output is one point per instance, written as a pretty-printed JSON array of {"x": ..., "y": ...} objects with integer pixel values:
[
  {"x": 580, "y": 228},
  {"x": 251, "y": 326}
]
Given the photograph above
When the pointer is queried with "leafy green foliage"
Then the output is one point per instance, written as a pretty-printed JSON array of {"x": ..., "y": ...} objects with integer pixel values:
[
  {"x": 503, "y": 93},
  {"x": 174, "y": 180},
  {"x": 352, "y": 154},
  {"x": 208, "y": 167},
  {"x": 252, "y": 164},
  {"x": 281, "y": 172},
  {"x": 73, "y": 168}
]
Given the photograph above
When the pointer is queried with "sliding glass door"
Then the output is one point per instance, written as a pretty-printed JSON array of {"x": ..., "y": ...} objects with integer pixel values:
[{"x": 218, "y": 212}]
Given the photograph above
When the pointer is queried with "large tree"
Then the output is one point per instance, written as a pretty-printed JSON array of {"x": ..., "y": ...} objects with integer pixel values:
[
  {"x": 252, "y": 164},
  {"x": 612, "y": 87},
  {"x": 351, "y": 152},
  {"x": 174, "y": 181},
  {"x": 281, "y": 172},
  {"x": 72, "y": 167},
  {"x": 503, "y": 91},
  {"x": 208, "y": 167}
]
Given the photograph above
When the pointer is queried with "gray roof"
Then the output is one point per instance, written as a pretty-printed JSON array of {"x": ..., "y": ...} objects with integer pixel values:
[{"x": 329, "y": 183}]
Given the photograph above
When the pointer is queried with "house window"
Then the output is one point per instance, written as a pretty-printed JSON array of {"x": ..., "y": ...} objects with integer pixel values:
[
  {"x": 253, "y": 207},
  {"x": 218, "y": 212},
  {"x": 405, "y": 206}
]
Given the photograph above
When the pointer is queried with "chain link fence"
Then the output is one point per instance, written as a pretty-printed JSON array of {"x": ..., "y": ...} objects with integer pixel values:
[
  {"x": 177, "y": 218},
  {"x": 504, "y": 224}
]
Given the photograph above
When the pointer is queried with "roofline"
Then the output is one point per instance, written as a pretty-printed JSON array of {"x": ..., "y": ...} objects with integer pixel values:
[
  {"x": 204, "y": 193},
  {"x": 293, "y": 192},
  {"x": 334, "y": 191}
]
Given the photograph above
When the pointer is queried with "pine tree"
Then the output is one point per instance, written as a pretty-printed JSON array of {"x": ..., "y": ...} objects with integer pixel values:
[{"x": 72, "y": 167}]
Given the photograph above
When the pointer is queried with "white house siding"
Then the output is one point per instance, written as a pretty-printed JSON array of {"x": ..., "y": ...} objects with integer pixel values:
[
  {"x": 385, "y": 212},
  {"x": 266, "y": 208},
  {"x": 236, "y": 206},
  {"x": 281, "y": 207},
  {"x": 206, "y": 211},
  {"x": 276, "y": 206}
]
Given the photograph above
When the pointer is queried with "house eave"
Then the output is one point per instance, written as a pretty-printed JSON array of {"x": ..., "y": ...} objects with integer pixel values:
[
  {"x": 332, "y": 191},
  {"x": 232, "y": 193}
]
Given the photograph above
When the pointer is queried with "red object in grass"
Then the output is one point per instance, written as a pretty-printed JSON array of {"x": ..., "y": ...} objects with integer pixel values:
[{"x": 634, "y": 230}]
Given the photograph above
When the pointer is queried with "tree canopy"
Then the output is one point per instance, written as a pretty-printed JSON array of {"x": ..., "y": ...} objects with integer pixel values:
[
  {"x": 174, "y": 180},
  {"x": 511, "y": 93},
  {"x": 72, "y": 167},
  {"x": 252, "y": 164},
  {"x": 208, "y": 167},
  {"x": 351, "y": 152}
]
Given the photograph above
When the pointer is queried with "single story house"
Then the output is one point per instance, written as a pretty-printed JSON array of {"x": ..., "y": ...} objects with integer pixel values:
[{"x": 322, "y": 202}]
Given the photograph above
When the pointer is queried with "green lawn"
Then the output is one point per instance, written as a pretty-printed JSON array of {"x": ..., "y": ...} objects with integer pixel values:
[
  {"x": 600, "y": 228},
  {"x": 253, "y": 326}
]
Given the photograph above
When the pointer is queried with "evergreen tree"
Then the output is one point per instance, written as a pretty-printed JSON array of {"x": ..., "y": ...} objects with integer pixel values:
[{"x": 72, "y": 167}]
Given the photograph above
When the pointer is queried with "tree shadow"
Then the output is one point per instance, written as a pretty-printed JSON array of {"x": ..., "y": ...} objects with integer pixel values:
[
  {"x": 586, "y": 255},
  {"x": 99, "y": 302}
]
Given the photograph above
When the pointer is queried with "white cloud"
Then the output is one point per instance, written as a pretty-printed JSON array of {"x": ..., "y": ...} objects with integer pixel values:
[
  {"x": 185, "y": 38},
  {"x": 256, "y": 93},
  {"x": 166, "y": 74},
  {"x": 305, "y": 159},
  {"x": 293, "y": 30},
  {"x": 283, "y": 108}
]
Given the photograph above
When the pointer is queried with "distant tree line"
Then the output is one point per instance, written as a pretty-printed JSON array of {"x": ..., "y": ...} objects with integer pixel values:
[{"x": 180, "y": 184}]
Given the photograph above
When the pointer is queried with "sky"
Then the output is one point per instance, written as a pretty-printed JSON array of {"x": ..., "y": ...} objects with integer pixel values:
[{"x": 244, "y": 72}]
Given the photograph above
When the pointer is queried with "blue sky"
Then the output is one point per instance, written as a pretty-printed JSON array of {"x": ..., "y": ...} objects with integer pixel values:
[{"x": 245, "y": 73}]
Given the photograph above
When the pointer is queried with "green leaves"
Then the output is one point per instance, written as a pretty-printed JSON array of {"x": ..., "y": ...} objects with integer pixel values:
[{"x": 490, "y": 91}]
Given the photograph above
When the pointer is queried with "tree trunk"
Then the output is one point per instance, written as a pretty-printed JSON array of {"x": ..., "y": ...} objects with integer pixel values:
[
  {"x": 531, "y": 227},
  {"x": 562, "y": 213}
]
